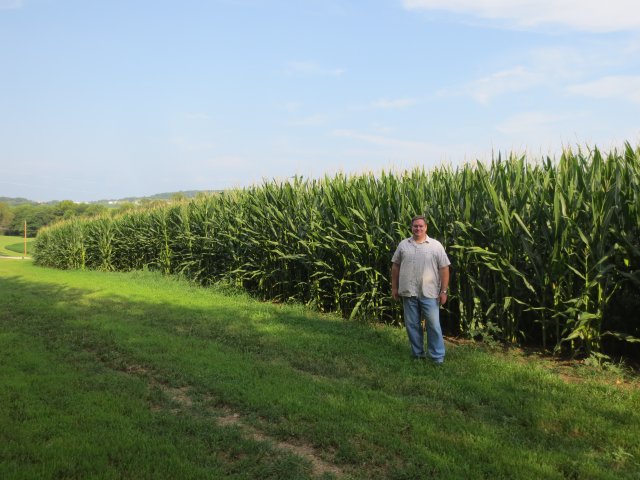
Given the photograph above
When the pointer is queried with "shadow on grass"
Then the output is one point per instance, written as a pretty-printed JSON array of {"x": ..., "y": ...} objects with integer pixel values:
[{"x": 348, "y": 389}]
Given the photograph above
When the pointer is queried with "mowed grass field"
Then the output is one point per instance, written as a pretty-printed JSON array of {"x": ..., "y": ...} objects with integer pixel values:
[
  {"x": 11, "y": 246},
  {"x": 135, "y": 375}
]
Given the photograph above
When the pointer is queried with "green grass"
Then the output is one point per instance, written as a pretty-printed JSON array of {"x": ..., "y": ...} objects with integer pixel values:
[
  {"x": 14, "y": 246},
  {"x": 112, "y": 375}
]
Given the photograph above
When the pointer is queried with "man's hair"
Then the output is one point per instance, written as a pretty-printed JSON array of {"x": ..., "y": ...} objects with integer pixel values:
[{"x": 419, "y": 217}]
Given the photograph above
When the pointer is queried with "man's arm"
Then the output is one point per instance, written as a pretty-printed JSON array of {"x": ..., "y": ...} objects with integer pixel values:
[
  {"x": 395, "y": 278},
  {"x": 444, "y": 285}
]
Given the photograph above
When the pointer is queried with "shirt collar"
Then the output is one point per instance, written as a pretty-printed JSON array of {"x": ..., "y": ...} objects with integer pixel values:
[{"x": 426, "y": 240}]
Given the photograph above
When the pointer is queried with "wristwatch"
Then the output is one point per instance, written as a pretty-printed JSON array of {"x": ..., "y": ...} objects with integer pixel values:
[{"x": 444, "y": 291}]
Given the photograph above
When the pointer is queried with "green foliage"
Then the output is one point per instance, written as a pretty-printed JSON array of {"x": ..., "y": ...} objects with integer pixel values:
[
  {"x": 538, "y": 249},
  {"x": 40, "y": 215},
  {"x": 6, "y": 216}
]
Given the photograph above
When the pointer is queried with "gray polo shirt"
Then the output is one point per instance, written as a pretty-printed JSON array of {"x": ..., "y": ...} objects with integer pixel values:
[{"x": 420, "y": 265}]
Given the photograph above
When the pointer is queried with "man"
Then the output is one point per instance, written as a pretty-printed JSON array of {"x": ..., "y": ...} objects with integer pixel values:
[{"x": 420, "y": 276}]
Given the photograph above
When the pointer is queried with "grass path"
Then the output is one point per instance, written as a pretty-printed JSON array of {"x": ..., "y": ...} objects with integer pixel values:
[
  {"x": 15, "y": 244},
  {"x": 139, "y": 376}
]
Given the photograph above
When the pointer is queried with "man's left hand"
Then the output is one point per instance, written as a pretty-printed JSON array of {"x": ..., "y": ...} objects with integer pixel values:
[{"x": 443, "y": 298}]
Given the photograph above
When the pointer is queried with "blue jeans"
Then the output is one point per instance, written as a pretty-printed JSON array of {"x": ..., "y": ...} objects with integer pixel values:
[{"x": 414, "y": 309}]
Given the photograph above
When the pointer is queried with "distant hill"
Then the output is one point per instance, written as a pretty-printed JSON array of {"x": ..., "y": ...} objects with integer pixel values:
[
  {"x": 157, "y": 196},
  {"x": 12, "y": 202}
]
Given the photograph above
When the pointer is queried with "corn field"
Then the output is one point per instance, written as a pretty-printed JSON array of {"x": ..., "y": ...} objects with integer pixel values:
[{"x": 543, "y": 253}]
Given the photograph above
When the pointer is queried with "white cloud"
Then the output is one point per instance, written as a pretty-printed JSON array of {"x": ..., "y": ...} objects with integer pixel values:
[
  {"x": 582, "y": 15},
  {"x": 291, "y": 107},
  {"x": 560, "y": 68},
  {"x": 375, "y": 152},
  {"x": 406, "y": 152},
  {"x": 230, "y": 161},
  {"x": 191, "y": 146},
  {"x": 384, "y": 103},
  {"x": 310, "y": 121},
  {"x": 484, "y": 89},
  {"x": 383, "y": 141},
  {"x": 312, "y": 68},
  {"x": 221, "y": 172},
  {"x": 196, "y": 116},
  {"x": 542, "y": 133},
  {"x": 562, "y": 62},
  {"x": 620, "y": 86},
  {"x": 530, "y": 122},
  {"x": 10, "y": 4},
  {"x": 384, "y": 129}
]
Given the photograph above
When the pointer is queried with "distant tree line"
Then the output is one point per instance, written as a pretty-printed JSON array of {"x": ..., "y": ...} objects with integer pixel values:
[
  {"x": 37, "y": 215},
  {"x": 14, "y": 212}
]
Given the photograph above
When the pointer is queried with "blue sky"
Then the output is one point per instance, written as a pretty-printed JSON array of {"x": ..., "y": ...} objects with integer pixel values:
[{"x": 114, "y": 98}]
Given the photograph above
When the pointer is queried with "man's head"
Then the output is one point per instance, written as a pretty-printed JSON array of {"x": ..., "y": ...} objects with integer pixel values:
[{"x": 419, "y": 227}]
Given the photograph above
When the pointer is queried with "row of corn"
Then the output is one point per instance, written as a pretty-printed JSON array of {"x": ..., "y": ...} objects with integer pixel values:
[{"x": 542, "y": 251}]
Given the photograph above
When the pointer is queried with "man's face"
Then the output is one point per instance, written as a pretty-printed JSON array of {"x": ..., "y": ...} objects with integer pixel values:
[{"x": 419, "y": 229}]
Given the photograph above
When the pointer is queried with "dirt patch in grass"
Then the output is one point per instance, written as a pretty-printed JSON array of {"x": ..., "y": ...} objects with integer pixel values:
[
  {"x": 230, "y": 418},
  {"x": 178, "y": 395},
  {"x": 320, "y": 467}
]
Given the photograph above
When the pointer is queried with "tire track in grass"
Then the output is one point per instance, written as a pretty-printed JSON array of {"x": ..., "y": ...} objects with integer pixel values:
[
  {"x": 229, "y": 418},
  {"x": 319, "y": 466}
]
